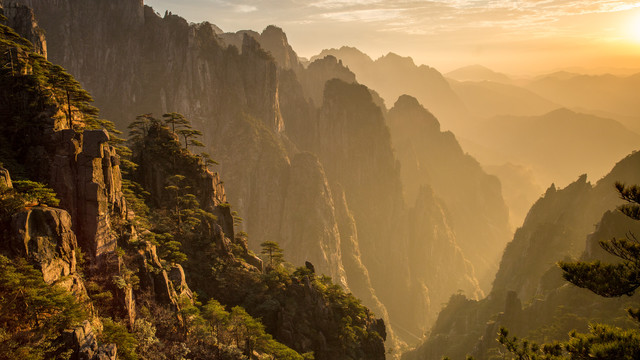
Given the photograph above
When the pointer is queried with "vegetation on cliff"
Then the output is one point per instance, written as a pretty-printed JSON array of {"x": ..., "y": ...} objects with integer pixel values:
[
  {"x": 616, "y": 279},
  {"x": 172, "y": 231}
]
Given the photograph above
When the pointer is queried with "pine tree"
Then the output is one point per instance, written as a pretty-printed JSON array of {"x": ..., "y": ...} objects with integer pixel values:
[
  {"x": 176, "y": 120},
  {"x": 613, "y": 280},
  {"x": 33, "y": 314},
  {"x": 607, "y": 280},
  {"x": 273, "y": 252}
]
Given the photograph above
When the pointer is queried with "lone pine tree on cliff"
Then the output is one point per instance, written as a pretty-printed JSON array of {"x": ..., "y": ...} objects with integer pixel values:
[{"x": 274, "y": 253}]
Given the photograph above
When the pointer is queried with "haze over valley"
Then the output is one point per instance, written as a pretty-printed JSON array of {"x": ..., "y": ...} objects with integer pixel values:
[{"x": 333, "y": 179}]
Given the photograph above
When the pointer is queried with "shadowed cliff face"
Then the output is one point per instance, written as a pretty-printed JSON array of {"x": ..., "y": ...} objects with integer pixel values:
[
  {"x": 473, "y": 199},
  {"x": 306, "y": 311},
  {"x": 359, "y": 229},
  {"x": 395, "y": 240}
]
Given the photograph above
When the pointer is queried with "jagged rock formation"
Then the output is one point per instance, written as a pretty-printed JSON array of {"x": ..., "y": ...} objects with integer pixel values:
[
  {"x": 355, "y": 145},
  {"x": 83, "y": 168},
  {"x": 44, "y": 237},
  {"x": 273, "y": 40},
  {"x": 472, "y": 198},
  {"x": 319, "y": 72},
  {"x": 251, "y": 100},
  {"x": 22, "y": 19},
  {"x": 393, "y": 75},
  {"x": 558, "y": 227}
]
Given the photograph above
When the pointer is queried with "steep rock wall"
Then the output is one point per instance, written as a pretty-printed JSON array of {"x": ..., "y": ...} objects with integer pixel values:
[{"x": 473, "y": 199}]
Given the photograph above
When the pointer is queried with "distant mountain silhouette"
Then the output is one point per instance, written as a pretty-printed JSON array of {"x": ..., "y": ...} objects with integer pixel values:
[
  {"x": 617, "y": 96},
  {"x": 478, "y": 73},
  {"x": 489, "y": 98},
  {"x": 558, "y": 146},
  {"x": 393, "y": 75}
]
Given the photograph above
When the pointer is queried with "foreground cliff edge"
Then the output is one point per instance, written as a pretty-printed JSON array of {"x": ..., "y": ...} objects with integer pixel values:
[{"x": 137, "y": 234}]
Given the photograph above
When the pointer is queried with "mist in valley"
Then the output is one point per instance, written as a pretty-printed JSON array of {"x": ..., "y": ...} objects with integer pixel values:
[{"x": 328, "y": 180}]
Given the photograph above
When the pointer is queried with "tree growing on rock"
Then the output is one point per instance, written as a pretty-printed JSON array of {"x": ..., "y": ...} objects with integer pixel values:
[
  {"x": 273, "y": 253},
  {"x": 176, "y": 120},
  {"x": 607, "y": 280}
]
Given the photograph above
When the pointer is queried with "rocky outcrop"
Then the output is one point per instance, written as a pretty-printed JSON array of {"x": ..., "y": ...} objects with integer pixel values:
[
  {"x": 355, "y": 146},
  {"x": 22, "y": 19},
  {"x": 85, "y": 173},
  {"x": 5, "y": 178},
  {"x": 392, "y": 76},
  {"x": 44, "y": 236},
  {"x": 84, "y": 343},
  {"x": 319, "y": 72}
]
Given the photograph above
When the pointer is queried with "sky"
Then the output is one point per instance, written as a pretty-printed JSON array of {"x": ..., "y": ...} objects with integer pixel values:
[{"x": 518, "y": 37}]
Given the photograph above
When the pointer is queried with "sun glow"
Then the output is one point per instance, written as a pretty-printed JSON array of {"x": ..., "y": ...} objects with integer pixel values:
[{"x": 634, "y": 29}]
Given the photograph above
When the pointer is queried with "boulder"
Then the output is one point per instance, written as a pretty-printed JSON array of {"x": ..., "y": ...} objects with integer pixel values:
[{"x": 44, "y": 236}]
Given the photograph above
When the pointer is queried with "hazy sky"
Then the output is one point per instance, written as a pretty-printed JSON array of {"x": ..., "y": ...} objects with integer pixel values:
[{"x": 515, "y": 36}]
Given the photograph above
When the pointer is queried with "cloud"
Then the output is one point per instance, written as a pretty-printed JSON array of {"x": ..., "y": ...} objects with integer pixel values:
[
  {"x": 367, "y": 15},
  {"x": 244, "y": 8}
]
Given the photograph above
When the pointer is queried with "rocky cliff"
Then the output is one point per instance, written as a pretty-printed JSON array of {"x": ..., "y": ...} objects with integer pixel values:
[
  {"x": 354, "y": 143},
  {"x": 393, "y": 75},
  {"x": 133, "y": 277},
  {"x": 472, "y": 198},
  {"x": 529, "y": 295},
  {"x": 249, "y": 95}
]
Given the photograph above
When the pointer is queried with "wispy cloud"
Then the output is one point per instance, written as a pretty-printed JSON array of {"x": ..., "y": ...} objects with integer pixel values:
[
  {"x": 365, "y": 15},
  {"x": 243, "y": 8}
]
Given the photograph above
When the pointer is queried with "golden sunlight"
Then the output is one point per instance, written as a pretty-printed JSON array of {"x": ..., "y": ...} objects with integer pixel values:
[{"x": 634, "y": 29}]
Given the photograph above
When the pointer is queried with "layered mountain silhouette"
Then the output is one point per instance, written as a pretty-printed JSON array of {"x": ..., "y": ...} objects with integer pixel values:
[
  {"x": 478, "y": 73},
  {"x": 393, "y": 75},
  {"x": 529, "y": 295},
  {"x": 306, "y": 152},
  {"x": 558, "y": 146},
  {"x": 606, "y": 95}
]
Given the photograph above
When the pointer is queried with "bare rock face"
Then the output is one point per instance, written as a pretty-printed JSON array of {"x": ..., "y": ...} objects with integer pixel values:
[
  {"x": 22, "y": 19},
  {"x": 309, "y": 229},
  {"x": 177, "y": 277},
  {"x": 168, "y": 287},
  {"x": 85, "y": 173},
  {"x": 274, "y": 40},
  {"x": 5, "y": 178},
  {"x": 84, "y": 342},
  {"x": 44, "y": 236},
  {"x": 429, "y": 157},
  {"x": 319, "y": 72}
]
